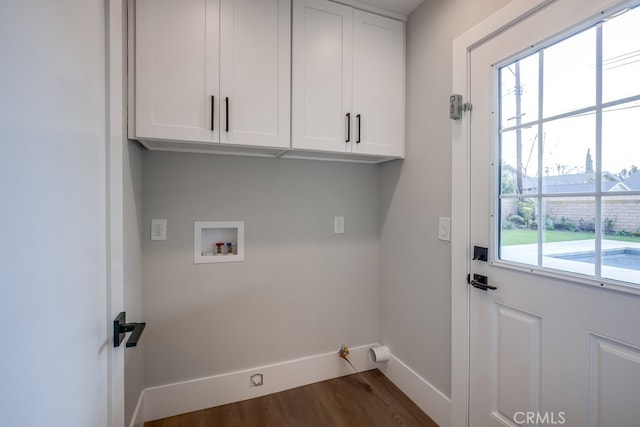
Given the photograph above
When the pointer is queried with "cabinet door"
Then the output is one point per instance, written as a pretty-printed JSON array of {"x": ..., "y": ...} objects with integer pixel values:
[
  {"x": 322, "y": 75},
  {"x": 255, "y": 73},
  {"x": 177, "y": 69},
  {"x": 378, "y": 84}
]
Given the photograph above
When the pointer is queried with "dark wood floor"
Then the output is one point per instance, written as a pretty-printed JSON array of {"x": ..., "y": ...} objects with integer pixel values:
[{"x": 346, "y": 401}]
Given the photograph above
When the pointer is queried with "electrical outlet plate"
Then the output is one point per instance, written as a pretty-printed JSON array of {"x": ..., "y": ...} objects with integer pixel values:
[{"x": 158, "y": 229}]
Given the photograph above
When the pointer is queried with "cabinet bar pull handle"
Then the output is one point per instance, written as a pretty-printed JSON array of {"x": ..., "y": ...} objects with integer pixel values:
[
  {"x": 359, "y": 120},
  {"x": 226, "y": 118},
  {"x": 348, "y": 127},
  {"x": 213, "y": 103}
]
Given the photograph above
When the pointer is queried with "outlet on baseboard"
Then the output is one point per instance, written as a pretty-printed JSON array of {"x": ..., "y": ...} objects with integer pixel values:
[{"x": 255, "y": 380}]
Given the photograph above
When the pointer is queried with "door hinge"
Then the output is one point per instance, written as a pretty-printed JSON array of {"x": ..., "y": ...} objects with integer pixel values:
[{"x": 457, "y": 107}]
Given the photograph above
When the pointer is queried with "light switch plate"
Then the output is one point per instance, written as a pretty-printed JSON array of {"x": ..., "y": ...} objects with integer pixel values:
[
  {"x": 444, "y": 229},
  {"x": 338, "y": 225}
]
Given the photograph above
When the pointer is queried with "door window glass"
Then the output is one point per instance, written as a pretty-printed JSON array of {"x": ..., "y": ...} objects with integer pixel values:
[{"x": 569, "y": 146}]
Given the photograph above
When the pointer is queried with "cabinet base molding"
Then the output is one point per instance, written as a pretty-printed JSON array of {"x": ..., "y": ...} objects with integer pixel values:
[{"x": 251, "y": 151}]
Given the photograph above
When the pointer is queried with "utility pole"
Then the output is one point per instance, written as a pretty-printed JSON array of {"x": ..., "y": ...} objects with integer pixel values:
[{"x": 518, "y": 90}]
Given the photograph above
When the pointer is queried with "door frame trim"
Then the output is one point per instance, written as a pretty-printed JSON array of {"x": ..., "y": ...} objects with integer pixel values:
[
  {"x": 115, "y": 39},
  {"x": 511, "y": 14}
]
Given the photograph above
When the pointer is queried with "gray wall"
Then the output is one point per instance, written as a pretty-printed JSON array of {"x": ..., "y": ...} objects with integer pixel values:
[
  {"x": 415, "y": 295},
  {"x": 133, "y": 226},
  {"x": 301, "y": 290}
]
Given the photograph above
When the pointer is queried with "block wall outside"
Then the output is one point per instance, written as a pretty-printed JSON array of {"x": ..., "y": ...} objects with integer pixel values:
[{"x": 624, "y": 211}]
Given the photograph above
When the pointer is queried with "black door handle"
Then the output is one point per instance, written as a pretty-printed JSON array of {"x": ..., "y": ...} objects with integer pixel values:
[
  {"x": 480, "y": 282},
  {"x": 482, "y": 286},
  {"x": 359, "y": 120},
  {"x": 120, "y": 328}
]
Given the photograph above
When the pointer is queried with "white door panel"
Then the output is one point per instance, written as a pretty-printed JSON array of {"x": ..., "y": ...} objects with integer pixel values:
[
  {"x": 614, "y": 381},
  {"x": 541, "y": 348},
  {"x": 54, "y": 364}
]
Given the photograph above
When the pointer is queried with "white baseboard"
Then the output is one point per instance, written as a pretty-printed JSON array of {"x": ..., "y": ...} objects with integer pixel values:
[
  {"x": 187, "y": 396},
  {"x": 428, "y": 398}
]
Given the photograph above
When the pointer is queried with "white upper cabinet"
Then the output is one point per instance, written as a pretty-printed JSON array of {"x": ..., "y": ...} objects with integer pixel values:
[
  {"x": 378, "y": 84},
  {"x": 210, "y": 71},
  {"x": 255, "y": 72},
  {"x": 177, "y": 69},
  {"x": 322, "y": 75},
  {"x": 348, "y": 80},
  {"x": 238, "y": 77}
]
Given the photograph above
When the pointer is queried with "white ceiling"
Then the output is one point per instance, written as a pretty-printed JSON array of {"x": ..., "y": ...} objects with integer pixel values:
[{"x": 402, "y": 7}]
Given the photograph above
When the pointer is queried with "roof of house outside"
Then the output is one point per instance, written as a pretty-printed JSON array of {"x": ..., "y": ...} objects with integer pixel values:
[
  {"x": 633, "y": 182},
  {"x": 575, "y": 183}
]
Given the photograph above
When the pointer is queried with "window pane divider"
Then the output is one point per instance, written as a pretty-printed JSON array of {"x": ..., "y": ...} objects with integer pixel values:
[
  {"x": 598, "y": 198},
  {"x": 540, "y": 201},
  {"x": 564, "y": 195},
  {"x": 581, "y": 111}
]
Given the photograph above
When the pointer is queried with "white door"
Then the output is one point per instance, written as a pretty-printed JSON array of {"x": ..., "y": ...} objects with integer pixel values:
[
  {"x": 255, "y": 74},
  {"x": 53, "y": 262},
  {"x": 322, "y": 76},
  {"x": 177, "y": 70},
  {"x": 378, "y": 85},
  {"x": 558, "y": 341}
]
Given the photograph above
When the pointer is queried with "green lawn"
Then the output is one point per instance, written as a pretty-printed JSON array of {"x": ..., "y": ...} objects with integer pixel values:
[{"x": 523, "y": 237}]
